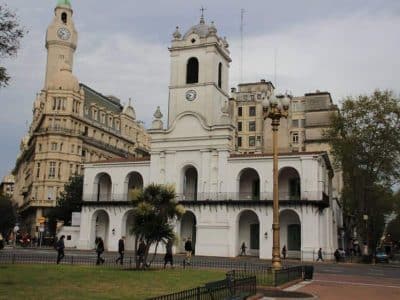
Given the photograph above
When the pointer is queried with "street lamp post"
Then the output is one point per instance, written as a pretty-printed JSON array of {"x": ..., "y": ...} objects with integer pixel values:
[{"x": 275, "y": 109}]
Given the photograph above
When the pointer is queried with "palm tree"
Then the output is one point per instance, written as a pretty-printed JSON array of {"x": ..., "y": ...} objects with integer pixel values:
[{"x": 156, "y": 208}]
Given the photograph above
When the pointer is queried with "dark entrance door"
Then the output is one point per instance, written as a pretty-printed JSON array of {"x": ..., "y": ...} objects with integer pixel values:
[
  {"x": 294, "y": 237},
  {"x": 255, "y": 236}
]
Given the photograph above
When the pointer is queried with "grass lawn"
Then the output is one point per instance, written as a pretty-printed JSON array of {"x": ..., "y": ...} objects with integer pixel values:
[{"x": 81, "y": 282}]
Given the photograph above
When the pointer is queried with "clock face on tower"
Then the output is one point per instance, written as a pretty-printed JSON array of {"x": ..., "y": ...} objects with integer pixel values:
[
  {"x": 191, "y": 95},
  {"x": 63, "y": 33}
]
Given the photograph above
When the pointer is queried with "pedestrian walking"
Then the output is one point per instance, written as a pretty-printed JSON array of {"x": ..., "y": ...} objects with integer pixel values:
[
  {"x": 60, "y": 246},
  {"x": 1, "y": 241},
  {"x": 189, "y": 250},
  {"x": 141, "y": 252},
  {"x": 337, "y": 255},
  {"x": 243, "y": 249},
  {"x": 168, "y": 258},
  {"x": 284, "y": 252},
  {"x": 99, "y": 251},
  {"x": 121, "y": 250},
  {"x": 320, "y": 255}
]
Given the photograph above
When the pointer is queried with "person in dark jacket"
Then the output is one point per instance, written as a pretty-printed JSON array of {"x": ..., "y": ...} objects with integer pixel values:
[
  {"x": 141, "y": 252},
  {"x": 121, "y": 250},
  {"x": 60, "y": 246},
  {"x": 284, "y": 251},
  {"x": 168, "y": 258},
  {"x": 320, "y": 255},
  {"x": 189, "y": 251},
  {"x": 99, "y": 251},
  {"x": 337, "y": 255},
  {"x": 243, "y": 248}
]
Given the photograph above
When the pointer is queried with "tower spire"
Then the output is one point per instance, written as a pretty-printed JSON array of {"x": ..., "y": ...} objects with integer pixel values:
[{"x": 202, "y": 9}]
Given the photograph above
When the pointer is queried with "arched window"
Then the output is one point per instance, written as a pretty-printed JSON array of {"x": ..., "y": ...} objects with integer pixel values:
[
  {"x": 192, "y": 70},
  {"x": 219, "y": 75},
  {"x": 64, "y": 17}
]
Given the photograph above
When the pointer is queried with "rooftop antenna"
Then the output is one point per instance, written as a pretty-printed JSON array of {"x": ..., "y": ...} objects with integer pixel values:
[
  {"x": 242, "y": 11},
  {"x": 275, "y": 59}
]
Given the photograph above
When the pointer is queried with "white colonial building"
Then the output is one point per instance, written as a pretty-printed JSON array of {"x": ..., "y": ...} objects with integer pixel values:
[{"x": 227, "y": 196}]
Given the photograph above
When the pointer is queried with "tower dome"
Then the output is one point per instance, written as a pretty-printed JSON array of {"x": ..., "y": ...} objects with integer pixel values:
[
  {"x": 202, "y": 29},
  {"x": 64, "y": 3},
  {"x": 64, "y": 80}
]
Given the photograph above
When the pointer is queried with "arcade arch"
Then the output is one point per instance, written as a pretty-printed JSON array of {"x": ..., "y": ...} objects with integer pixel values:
[
  {"x": 188, "y": 230},
  {"x": 249, "y": 232},
  {"x": 289, "y": 184},
  {"x": 290, "y": 232},
  {"x": 103, "y": 187},
  {"x": 249, "y": 185},
  {"x": 190, "y": 179}
]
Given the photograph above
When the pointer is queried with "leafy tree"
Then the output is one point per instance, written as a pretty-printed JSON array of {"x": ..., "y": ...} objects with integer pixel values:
[
  {"x": 365, "y": 140},
  {"x": 10, "y": 35},
  {"x": 394, "y": 229},
  {"x": 155, "y": 209},
  {"x": 8, "y": 214},
  {"x": 69, "y": 201}
]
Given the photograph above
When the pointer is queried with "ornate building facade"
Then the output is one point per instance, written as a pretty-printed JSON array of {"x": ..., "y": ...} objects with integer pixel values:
[
  {"x": 227, "y": 194},
  {"x": 72, "y": 124}
]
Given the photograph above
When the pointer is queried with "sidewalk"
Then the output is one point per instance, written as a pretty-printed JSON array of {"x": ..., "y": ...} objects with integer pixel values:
[{"x": 333, "y": 287}]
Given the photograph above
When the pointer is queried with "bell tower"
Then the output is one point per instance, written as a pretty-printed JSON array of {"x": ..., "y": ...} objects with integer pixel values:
[
  {"x": 61, "y": 40},
  {"x": 199, "y": 73}
]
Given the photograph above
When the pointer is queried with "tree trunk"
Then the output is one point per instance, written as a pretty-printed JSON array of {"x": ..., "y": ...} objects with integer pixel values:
[
  {"x": 146, "y": 254},
  {"x": 135, "y": 252}
]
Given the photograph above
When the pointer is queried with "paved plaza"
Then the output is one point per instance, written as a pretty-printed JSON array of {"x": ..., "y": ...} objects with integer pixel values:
[{"x": 341, "y": 286}]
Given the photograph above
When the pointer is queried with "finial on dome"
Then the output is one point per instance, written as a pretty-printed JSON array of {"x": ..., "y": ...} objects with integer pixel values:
[
  {"x": 225, "y": 42},
  {"x": 158, "y": 114},
  {"x": 177, "y": 35},
  {"x": 157, "y": 122},
  {"x": 202, "y": 15},
  {"x": 212, "y": 29}
]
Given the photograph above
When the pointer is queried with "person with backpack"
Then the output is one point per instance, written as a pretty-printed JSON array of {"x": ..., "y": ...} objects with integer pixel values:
[
  {"x": 60, "y": 246},
  {"x": 99, "y": 251}
]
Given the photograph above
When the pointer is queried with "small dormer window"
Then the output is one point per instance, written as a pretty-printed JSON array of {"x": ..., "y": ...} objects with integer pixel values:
[{"x": 193, "y": 40}]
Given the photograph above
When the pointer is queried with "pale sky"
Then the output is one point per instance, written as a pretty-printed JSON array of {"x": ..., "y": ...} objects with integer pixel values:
[{"x": 346, "y": 47}]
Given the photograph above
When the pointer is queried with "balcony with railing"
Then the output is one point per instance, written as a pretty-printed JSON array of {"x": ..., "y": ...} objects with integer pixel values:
[
  {"x": 58, "y": 130},
  {"x": 264, "y": 198}
]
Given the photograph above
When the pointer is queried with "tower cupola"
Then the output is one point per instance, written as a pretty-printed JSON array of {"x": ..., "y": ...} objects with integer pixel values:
[{"x": 61, "y": 40}]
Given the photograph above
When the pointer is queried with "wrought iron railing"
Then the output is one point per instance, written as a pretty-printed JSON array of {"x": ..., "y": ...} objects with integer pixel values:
[
  {"x": 219, "y": 196},
  {"x": 230, "y": 288}
]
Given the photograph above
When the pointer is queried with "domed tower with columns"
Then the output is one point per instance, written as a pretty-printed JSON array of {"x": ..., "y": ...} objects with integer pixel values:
[{"x": 199, "y": 73}]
